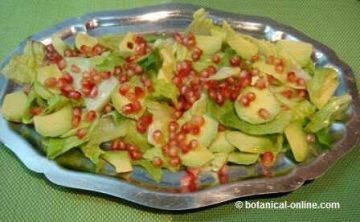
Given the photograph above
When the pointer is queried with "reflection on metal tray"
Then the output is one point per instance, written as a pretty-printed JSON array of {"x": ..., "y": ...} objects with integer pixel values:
[{"x": 245, "y": 181}]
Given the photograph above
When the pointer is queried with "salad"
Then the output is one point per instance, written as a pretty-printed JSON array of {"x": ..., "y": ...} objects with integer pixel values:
[{"x": 200, "y": 100}]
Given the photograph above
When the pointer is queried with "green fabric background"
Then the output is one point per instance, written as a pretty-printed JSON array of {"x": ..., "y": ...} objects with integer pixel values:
[{"x": 26, "y": 196}]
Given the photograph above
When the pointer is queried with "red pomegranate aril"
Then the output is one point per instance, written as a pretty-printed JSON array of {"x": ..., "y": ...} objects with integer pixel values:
[
  {"x": 216, "y": 58},
  {"x": 271, "y": 79},
  {"x": 175, "y": 161},
  {"x": 251, "y": 96},
  {"x": 279, "y": 68},
  {"x": 81, "y": 133},
  {"x": 186, "y": 128},
  {"x": 136, "y": 106},
  {"x": 93, "y": 92},
  {"x": 105, "y": 75},
  {"x": 139, "y": 92},
  {"x": 223, "y": 174},
  {"x": 76, "y": 121},
  {"x": 115, "y": 144},
  {"x": 50, "y": 48},
  {"x": 108, "y": 109},
  {"x": 146, "y": 119},
  {"x": 263, "y": 113},
  {"x": 244, "y": 101},
  {"x": 75, "y": 68},
  {"x": 235, "y": 60},
  {"x": 36, "y": 111},
  {"x": 97, "y": 50},
  {"x": 291, "y": 77},
  {"x": 96, "y": 78},
  {"x": 122, "y": 145},
  {"x": 302, "y": 93},
  {"x": 77, "y": 111},
  {"x": 177, "y": 114},
  {"x": 141, "y": 127},
  {"x": 123, "y": 90},
  {"x": 193, "y": 144},
  {"x": 184, "y": 148},
  {"x": 219, "y": 99},
  {"x": 62, "y": 64},
  {"x": 50, "y": 82},
  {"x": 173, "y": 150},
  {"x": 138, "y": 69},
  {"x": 130, "y": 45},
  {"x": 178, "y": 38},
  {"x": 173, "y": 126},
  {"x": 124, "y": 78},
  {"x": 67, "y": 78},
  {"x": 165, "y": 149},
  {"x": 157, "y": 162},
  {"x": 221, "y": 128},
  {"x": 91, "y": 116},
  {"x": 261, "y": 84},
  {"x": 68, "y": 53},
  {"x": 198, "y": 120},
  {"x": 270, "y": 60},
  {"x": 310, "y": 138},
  {"x": 157, "y": 136},
  {"x": 135, "y": 154},
  {"x": 118, "y": 70},
  {"x": 76, "y": 95},
  {"x": 300, "y": 81},
  {"x": 211, "y": 69},
  {"x": 287, "y": 93},
  {"x": 233, "y": 96},
  {"x": 267, "y": 159},
  {"x": 128, "y": 108},
  {"x": 205, "y": 73},
  {"x": 195, "y": 130},
  {"x": 255, "y": 58},
  {"x": 66, "y": 89}
]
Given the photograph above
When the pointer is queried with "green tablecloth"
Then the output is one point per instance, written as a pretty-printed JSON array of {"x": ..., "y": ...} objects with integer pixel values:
[{"x": 27, "y": 196}]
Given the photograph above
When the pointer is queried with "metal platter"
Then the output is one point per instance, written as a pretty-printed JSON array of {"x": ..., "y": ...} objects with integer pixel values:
[{"x": 165, "y": 19}]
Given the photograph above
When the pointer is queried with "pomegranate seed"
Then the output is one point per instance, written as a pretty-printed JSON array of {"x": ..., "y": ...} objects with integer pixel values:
[
  {"x": 175, "y": 161},
  {"x": 50, "y": 82},
  {"x": 123, "y": 90},
  {"x": 128, "y": 108},
  {"x": 184, "y": 148},
  {"x": 130, "y": 45},
  {"x": 287, "y": 93},
  {"x": 244, "y": 101},
  {"x": 68, "y": 53},
  {"x": 139, "y": 92},
  {"x": 26, "y": 88},
  {"x": 75, "y": 68},
  {"x": 97, "y": 50},
  {"x": 146, "y": 119},
  {"x": 270, "y": 60},
  {"x": 219, "y": 99},
  {"x": 77, "y": 111},
  {"x": 76, "y": 121},
  {"x": 67, "y": 78},
  {"x": 141, "y": 128},
  {"x": 197, "y": 52},
  {"x": 80, "y": 133},
  {"x": 251, "y": 96},
  {"x": 271, "y": 79},
  {"x": 157, "y": 162},
  {"x": 136, "y": 106},
  {"x": 173, "y": 126},
  {"x": 115, "y": 144},
  {"x": 255, "y": 58},
  {"x": 122, "y": 145},
  {"x": 300, "y": 81},
  {"x": 263, "y": 113},
  {"x": 178, "y": 37},
  {"x": 198, "y": 120},
  {"x": 91, "y": 116},
  {"x": 62, "y": 64},
  {"x": 172, "y": 151},
  {"x": 261, "y": 84},
  {"x": 36, "y": 111},
  {"x": 177, "y": 114},
  {"x": 193, "y": 144},
  {"x": 216, "y": 58},
  {"x": 96, "y": 78},
  {"x": 93, "y": 92},
  {"x": 76, "y": 95},
  {"x": 291, "y": 77},
  {"x": 195, "y": 130},
  {"x": 186, "y": 128},
  {"x": 235, "y": 60},
  {"x": 165, "y": 149},
  {"x": 267, "y": 159},
  {"x": 255, "y": 72},
  {"x": 279, "y": 68},
  {"x": 138, "y": 69},
  {"x": 117, "y": 70},
  {"x": 302, "y": 93},
  {"x": 50, "y": 48},
  {"x": 157, "y": 136},
  {"x": 135, "y": 154},
  {"x": 66, "y": 89},
  {"x": 223, "y": 174}
]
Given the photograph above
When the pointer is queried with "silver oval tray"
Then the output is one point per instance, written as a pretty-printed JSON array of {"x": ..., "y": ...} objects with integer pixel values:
[{"x": 170, "y": 18}]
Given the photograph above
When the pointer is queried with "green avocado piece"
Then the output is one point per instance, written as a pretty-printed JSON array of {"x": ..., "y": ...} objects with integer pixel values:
[
  {"x": 58, "y": 44},
  {"x": 84, "y": 39},
  {"x": 54, "y": 124},
  {"x": 119, "y": 101},
  {"x": 14, "y": 106},
  {"x": 42, "y": 91},
  {"x": 299, "y": 51},
  {"x": 220, "y": 159},
  {"x": 197, "y": 157},
  {"x": 297, "y": 140},
  {"x": 207, "y": 133},
  {"x": 209, "y": 44},
  {"x": 243, "y": 158},
  {"x": 249, "y": 144},
  {"x": 264, "y": 99},
  {"x": 119, "y": 159},
  {"x": 46, "y": 72},
  {"x": 221, "y": 144},
  {"x": 322, "y": 86},
  {"x": 245, "y": 48}
]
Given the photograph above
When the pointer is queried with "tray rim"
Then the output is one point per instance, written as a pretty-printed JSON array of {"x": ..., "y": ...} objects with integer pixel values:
[{"x": 206, "y": 197}]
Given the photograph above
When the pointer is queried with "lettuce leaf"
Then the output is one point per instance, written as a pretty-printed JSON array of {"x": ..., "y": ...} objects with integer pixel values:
[
  {"x": 164, "y": 91},
  {"x": 322, "y": 118},
  {"x": 107, "y": 130},
  {"x": 108, "y": 62},
  {"x": 92, "y": 152},
  {"x": 155, "y": 172},
  {"x": 22, "y": 68},
  {"x": 226, "y": 115},
  {"x": 201, "y": 24},
  {"x": 111, "y": 42}
]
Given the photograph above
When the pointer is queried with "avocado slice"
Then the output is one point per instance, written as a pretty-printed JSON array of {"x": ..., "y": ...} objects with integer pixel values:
[
  {"x": 245, "y": 48},
  {"x": 221, "y": 144},
  {"x": 42, "y": 91},
  {"x": 14, "y": 106},
  {"x": 270, "y": 70},
  {"x": 197, "y": 157},
  {"x": 209, "y": 44},
  {"x": 243, "y": 158},
  {"x": 119, "y": 159},
  {"x": 84, "y": 39},
  {"x": 296, "y": 137},
  {"x": 249, "y": 144},
  {"x": 220, "y": 159},
  {"x": 46, "y": 72},
  {"x": 264, "y": 99},
  {"x": 207, "y": 133},
  {"x": 322, "y": 86},
  {"x": 299, "y": 51},
  {"x": 54, "y": 124}
]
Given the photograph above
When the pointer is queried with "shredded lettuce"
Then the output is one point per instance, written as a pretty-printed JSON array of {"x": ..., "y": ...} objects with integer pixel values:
[
  {"x": 322, "y": 118},
  {"x": 22, "y": 68}
]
